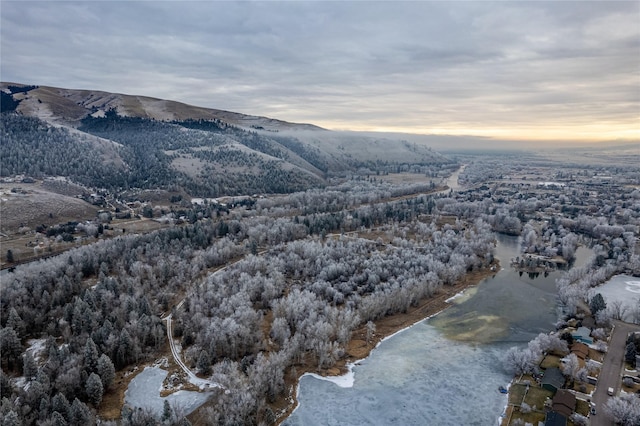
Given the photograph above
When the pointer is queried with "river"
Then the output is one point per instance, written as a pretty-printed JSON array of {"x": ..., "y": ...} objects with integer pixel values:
[{"x": 446, "y": 370}]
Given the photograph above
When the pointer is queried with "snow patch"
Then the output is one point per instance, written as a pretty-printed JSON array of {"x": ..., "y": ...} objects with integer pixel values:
[
  {"x": 344, "y": 381},
  {"x": 21, "y": 382},
  {"x": 36, "y": 348},
  {"x": 455, "y": 296}
]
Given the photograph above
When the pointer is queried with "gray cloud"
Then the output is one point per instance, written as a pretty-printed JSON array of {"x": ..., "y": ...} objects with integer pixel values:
[{"x": 429, "y": 66}]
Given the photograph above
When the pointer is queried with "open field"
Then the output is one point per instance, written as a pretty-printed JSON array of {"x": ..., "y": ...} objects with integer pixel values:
[
  {"x": 404, "y": 178},
  {"x": 29, "y": 205}
]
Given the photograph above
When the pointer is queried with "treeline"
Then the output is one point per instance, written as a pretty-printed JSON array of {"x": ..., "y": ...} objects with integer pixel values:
[{"x": 153, "y": 145}]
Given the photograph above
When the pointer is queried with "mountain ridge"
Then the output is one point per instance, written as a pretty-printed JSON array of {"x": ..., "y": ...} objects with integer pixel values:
[
  {"x": 146, "y": 143},
  {"x": 71, "y": 105}
]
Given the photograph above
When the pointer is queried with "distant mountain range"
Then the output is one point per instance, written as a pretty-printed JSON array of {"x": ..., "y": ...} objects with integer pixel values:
[{"x": 118, "y": 141}]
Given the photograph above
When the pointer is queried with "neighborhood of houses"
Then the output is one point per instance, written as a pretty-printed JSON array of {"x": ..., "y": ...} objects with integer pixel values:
[{"x": 572, "y": 388}]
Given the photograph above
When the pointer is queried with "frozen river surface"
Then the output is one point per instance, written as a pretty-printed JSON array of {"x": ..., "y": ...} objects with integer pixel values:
[
  {"x": 417, "y": 377},
  {"x": 622, "y": 289},
  {"x": 144, "y": 392},
  {"x": 447, "y": 370}
]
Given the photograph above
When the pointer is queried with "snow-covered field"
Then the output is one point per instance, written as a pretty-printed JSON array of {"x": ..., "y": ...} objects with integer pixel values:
[{"x": 144, "y": 392}]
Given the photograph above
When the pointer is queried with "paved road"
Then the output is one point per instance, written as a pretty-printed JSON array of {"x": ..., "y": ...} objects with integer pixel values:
[{"x": 611, "y": 372}]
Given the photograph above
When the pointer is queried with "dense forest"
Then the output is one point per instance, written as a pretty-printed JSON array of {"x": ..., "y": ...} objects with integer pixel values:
[{"x": 32, "y": 147}]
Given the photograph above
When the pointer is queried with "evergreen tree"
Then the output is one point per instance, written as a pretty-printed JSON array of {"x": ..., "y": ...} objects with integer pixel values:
[
  {"x": 60, "y": 404},
  {"x": 90, "y": 356},
  {"x": 5, "y": 385},
  {"x": 29, "y": 366},
  {"x": 79, "y": 414},
  {"x": 14, "y": 321},
  {"x": 167, "y": 412},
  {"x": 204, "y": 362},
  {"x": 597, "y": 304},
  {"x": 11, "y": 419},
  {"x": 106, "y": 370},
  {"x": 94, "y": 389},
  {"x": 10, "y": 347},
  {"x": 630, "y": 353},
  {"x": 58, "y": 419}
]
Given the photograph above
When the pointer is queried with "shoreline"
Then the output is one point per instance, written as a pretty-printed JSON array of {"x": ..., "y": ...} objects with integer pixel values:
[{"x": 358, "y": 349}]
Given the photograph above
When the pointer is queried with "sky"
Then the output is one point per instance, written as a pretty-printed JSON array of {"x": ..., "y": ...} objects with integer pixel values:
[{"x": 560, "y": 70}]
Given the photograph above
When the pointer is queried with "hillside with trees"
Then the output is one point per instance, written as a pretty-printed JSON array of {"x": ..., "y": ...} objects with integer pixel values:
[{"x": 143, "y": 143}]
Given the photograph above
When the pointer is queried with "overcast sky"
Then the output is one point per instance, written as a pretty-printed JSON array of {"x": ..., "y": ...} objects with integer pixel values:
[{"x": 531, "y": 70}]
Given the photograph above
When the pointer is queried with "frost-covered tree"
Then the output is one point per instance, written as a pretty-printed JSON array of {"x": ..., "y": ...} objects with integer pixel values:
[
  {"x": 79, "y": 414},
  {"x": 106, "y": 371},
  {"x": 579, "y": 419},
  {"x": 371, "y": 330},
  {"x": 29, "y": 365},
  {"x": 94, "y": 389},
  {"x": 624, "y": 409},
  {"x": 570, "y": 365},
  {"x": 519, "y": 361},
  {"x": 593, "y": 366},
  {"x": 91, "y": 356}
]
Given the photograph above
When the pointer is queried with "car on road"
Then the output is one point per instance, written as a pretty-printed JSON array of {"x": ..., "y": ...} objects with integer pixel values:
[{"x": 610, "y": 391}]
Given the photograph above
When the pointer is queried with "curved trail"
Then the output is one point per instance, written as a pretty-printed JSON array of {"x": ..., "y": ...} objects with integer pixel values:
[{"x": 175, "y": 351}]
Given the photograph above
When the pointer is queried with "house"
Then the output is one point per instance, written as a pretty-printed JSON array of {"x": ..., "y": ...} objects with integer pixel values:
[
  {"x": 552, "y": 379},
  {"x": 581, "y": 350},
  {"x": 564, "y": 402},
  {"x": 582, "y": 334},
  {"x": 555, "y": 419}
]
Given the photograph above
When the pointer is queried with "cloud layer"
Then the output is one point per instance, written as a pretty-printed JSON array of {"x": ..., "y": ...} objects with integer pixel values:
[{"x": 548, "y": 70}]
